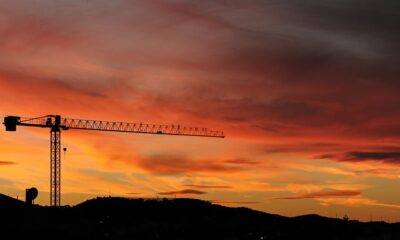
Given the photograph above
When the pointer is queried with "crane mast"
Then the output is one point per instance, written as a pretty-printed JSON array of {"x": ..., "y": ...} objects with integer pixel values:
[
  {"x": 55, "y": 166},
  {"x": 56, "y": 124}
]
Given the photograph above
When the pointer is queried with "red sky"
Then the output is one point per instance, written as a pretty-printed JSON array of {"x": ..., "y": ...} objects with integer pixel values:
[{"x": 306, "y": 92}]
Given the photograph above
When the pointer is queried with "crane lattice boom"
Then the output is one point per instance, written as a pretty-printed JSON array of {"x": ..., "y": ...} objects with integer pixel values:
[
  {"x": 69, "y": 123},
  {"x": 56, "y": 124}
]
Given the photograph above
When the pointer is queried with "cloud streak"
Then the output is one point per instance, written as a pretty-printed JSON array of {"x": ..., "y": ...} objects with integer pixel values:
[
  {"x": 183, "y": 192},
  {"x": 387, "y": 157},
  {"x": 317, "y": 195},
  {"x": 208, "y": 186},
  {"x": 364, "y": 156},
  {"x": 169, "y": 165},
  {"x": 242, "y": 161},
  {"x": 233, "y": 202},
  {"x": 357, "y": 202},
  {"x": 6, "y": 163},
  {"x": 114, "y": 177}
]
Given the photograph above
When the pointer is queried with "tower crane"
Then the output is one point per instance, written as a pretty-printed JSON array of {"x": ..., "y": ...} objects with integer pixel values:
[{"x": 56, "y": 124}]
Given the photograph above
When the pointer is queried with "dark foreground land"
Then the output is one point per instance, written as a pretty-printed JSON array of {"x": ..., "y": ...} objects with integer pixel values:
[{"x": 120, "y": 218}]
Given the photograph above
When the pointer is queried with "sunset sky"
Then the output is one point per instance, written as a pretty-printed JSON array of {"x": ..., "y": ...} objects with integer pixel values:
[{"x": 306, "y": 91}]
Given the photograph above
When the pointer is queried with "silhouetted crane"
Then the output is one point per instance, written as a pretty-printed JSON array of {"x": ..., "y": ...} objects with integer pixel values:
[{"x": 56, "y": 124}]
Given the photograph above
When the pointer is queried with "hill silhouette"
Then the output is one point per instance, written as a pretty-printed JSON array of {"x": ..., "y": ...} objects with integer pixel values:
[
  {"x": 122, "y": 218},
  {"x": 10, "y": 202}
]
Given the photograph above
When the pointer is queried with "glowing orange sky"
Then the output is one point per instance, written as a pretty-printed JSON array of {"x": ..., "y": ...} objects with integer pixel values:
[{"x": 307, "y": 97}]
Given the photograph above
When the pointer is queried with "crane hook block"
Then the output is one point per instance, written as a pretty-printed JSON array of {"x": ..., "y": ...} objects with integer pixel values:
[{"x": 11, "y": 123}]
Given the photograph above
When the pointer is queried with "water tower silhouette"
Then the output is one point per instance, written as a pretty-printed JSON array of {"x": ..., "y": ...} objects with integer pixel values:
[{"x": 30, "y": 195}]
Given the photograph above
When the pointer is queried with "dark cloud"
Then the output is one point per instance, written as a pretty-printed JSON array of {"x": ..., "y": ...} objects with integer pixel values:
[
  {"x": 166, "y": 164},
  {"x": 391, "y": 157},
  {"x": 290, "y": 68},
  {"x": 183, "y": 192},
  {"x": 351, "y": 36},
  {"x": 336, "y": 193},
  {"x": 387, "y": 157},
  {"x": 318, "y": 66},
  {"x": 208, "y": 186}
]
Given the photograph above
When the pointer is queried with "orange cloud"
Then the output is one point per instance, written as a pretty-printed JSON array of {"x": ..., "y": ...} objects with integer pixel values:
[
  {"x": 164, "y": 164},
  {"x": 6, "y": 163},
  {"x": 357, "y": 202},
  {"x": 388, "y": 173},
  {"x": 233, "y": 202},
  {"x": 208, "y": 186},
  {"x": 242, "y": 161},
  {"x": 183, "y": 192},
  {"x": 336, "y": 193}
]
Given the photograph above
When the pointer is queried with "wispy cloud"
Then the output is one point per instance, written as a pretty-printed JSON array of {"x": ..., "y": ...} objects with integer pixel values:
[
  {"x": 388, "y": 157},
  {"x": 361, "y": 156},
  {"x": 167, "y": 164},
  {"x": 183, "y": 192},
  {"x": 4, "y": 163},
  {"x": 336, "y": 193},
  {"x": 208, "y": 186},
  {"x": 108, "y": 176},
  {"x": 233, "y": 202},
  {"x": 133, "y": 193},
  {"x": 357, "y": 202},
  {"x": 242, "y": 161},
  {"x": 389, "y": 173}
]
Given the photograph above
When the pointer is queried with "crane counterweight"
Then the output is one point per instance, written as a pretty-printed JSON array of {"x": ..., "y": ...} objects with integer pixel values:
[{"x": 11, "y": 123}]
